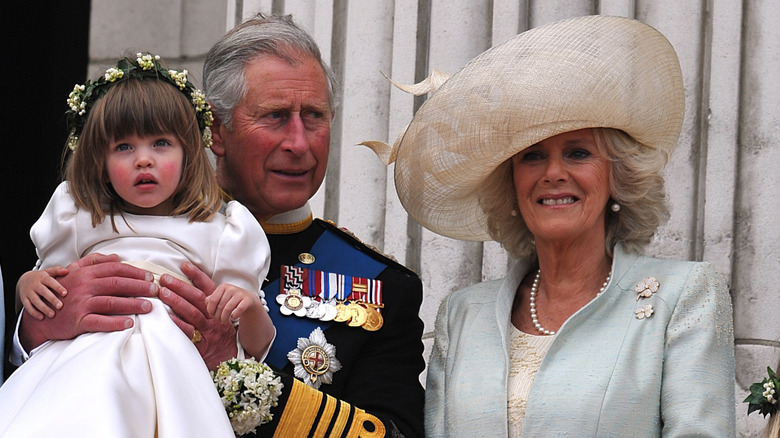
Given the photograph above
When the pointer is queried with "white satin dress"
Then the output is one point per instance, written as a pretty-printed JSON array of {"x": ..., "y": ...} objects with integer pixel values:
[{"x": 146, "y": 381}]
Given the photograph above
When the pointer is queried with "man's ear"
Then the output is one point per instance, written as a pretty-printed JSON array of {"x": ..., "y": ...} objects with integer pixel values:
[{"x": 217, "y": 131}]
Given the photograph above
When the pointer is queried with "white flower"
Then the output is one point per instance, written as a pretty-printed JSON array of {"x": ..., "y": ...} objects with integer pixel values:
[
  {"x": 113, "y": 73},
  {"x": 769, "y": 394},
  {"x": 75, "y": 99},
  {"x": 643, "y": 312},
  {"x": 249, "y": 390},
  {"x": 179, "y": 77},
  {"x": 207, "y": 139},
  {"x": 73, "y": 142},
  {"x": 145, "y": 61},
  {"x": 198, "y": 99}
]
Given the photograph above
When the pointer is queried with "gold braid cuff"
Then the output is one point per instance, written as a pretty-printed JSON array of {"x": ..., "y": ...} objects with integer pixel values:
[{"x": 308, "y": 409}]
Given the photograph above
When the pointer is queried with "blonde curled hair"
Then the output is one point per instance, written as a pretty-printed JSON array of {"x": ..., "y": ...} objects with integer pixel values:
[{"x": 635, "y": 183}]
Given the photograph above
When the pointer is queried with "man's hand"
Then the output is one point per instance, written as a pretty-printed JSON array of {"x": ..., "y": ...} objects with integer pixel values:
[
  {"x": 101, "y": 293},
  {"x": 188, "y": 302}
]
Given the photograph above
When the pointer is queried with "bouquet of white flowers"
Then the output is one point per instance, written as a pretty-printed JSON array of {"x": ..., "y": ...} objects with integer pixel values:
[
  {"x": 249, "y": 389},
  {"x": 763, "y": 396}
]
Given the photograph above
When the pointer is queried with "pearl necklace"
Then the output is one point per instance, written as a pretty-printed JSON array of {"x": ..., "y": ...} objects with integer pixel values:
[{"x": 532, "y": 297}]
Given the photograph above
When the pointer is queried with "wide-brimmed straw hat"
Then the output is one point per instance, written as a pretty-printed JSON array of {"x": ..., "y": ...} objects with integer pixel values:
[{"x": 592, "y": 71}]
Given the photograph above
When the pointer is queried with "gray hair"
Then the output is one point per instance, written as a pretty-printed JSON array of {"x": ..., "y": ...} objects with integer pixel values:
[
  {"x": 274, "y": 35},
  {"x": 635, "y": 183}
]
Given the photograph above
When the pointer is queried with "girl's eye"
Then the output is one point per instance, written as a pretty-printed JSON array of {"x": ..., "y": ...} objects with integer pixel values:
[
  {"x": 122, "y": 147},
  {"x": 162, "y": 142}
]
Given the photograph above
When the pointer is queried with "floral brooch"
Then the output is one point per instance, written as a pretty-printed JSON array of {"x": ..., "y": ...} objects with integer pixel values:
[
  {"x": 314, "y": 359},
  {"x": 645, "y": 288},
  {"x": 643, "y": 312}
]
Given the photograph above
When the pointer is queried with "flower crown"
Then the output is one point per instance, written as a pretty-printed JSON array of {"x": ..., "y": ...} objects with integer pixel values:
[
  {"x": 81, "y": 99},
  {"x": 763, "y": 396}
]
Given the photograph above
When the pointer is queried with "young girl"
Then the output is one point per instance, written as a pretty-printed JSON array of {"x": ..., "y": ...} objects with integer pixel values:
[{"x": 138, "y": 184}]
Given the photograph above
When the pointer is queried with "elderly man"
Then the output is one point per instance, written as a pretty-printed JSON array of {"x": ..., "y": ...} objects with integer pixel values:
[{"x": 346, "y": 316}]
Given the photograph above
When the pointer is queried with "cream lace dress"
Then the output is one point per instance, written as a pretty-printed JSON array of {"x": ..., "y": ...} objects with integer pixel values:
[{"x": 525, "y": 356}]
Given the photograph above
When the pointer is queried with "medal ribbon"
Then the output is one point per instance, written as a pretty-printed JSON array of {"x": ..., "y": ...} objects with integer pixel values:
[{"x": 324, "y": 286}]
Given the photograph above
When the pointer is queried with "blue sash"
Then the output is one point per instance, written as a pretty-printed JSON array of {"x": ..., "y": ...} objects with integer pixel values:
[{"x": 332, "y": 254}]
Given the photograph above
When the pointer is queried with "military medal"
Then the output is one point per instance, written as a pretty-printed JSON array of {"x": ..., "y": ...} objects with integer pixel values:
[
  {"x": 374, "y": 320},
  {"x": 357, "y": 314},
  {"x": 315, "y": 310},
  {"x": 292, "y": 303},
  {"x": 328, "y": 311},
  {"x": 342, "y": 314},
  {"x": 314, "y": 359},
  {"x": 328, "y": 296}
]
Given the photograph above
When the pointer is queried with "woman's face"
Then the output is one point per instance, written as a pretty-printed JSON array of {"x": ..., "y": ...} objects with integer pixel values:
[{"x": 562, "y": 186}]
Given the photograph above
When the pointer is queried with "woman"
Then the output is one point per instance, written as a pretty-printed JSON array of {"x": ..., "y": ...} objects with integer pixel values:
[{"x": 552, "y": 144}]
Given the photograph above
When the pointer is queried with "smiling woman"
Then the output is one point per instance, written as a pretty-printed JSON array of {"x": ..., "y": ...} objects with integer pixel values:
[
  {"x": 562, "y": 186},
  {"x": 552, "y": 144}
]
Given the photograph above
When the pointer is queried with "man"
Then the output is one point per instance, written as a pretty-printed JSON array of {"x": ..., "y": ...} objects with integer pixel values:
[{"x": 346, "y": 317}]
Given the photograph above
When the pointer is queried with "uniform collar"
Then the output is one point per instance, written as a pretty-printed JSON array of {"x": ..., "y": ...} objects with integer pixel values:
[{"x": 289, "y": 222}]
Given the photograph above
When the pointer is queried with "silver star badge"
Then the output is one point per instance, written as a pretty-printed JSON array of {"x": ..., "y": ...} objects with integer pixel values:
[{"x": 314, "y": 359}]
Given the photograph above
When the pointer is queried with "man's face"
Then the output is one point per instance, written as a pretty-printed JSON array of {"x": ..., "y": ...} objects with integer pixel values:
[{"x": 274, "y": 157}]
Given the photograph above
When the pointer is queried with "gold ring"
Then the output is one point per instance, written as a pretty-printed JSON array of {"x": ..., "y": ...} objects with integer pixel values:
[{"x": 196, "y": 337}]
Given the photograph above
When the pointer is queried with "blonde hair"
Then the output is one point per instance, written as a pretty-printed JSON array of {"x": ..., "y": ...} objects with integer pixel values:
[
  {"x": 141, "y": 107},
  {"x": 635, "y": 183}
]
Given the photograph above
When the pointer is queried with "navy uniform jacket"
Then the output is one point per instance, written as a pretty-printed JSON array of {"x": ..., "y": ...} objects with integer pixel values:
[{"x": 377, "y": 391}]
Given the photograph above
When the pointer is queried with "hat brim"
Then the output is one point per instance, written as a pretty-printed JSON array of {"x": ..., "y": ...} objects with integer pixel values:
[{"x": 593, "y": 71}]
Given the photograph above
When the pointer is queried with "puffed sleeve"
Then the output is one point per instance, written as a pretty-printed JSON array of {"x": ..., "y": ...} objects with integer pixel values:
[
  {"x": 434, "y": 382},
  {"x": 698, "y": 371},
  {"x": 55, "y": 234},
  {"x": 243, "y": 254}
]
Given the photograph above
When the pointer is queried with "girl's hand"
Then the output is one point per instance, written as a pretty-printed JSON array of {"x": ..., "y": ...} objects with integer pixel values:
[
  {"x": 38, "y": 292},
  {"x": 228, "y": 303}
]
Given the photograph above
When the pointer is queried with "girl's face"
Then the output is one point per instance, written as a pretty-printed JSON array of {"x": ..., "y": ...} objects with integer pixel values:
[{"x": 145, "y": 172}]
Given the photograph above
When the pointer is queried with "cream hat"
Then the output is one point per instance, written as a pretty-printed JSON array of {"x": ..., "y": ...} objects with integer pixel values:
[{"x": 592, "y": 71}]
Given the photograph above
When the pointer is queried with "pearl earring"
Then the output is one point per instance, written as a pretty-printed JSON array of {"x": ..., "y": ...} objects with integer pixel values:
[
  {"x": 615, "y": 207},
  {"x": 513, "y": 213}
]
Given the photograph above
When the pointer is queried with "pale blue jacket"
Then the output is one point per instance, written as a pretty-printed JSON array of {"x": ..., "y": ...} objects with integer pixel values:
[{"x": 607, "y": 373}]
